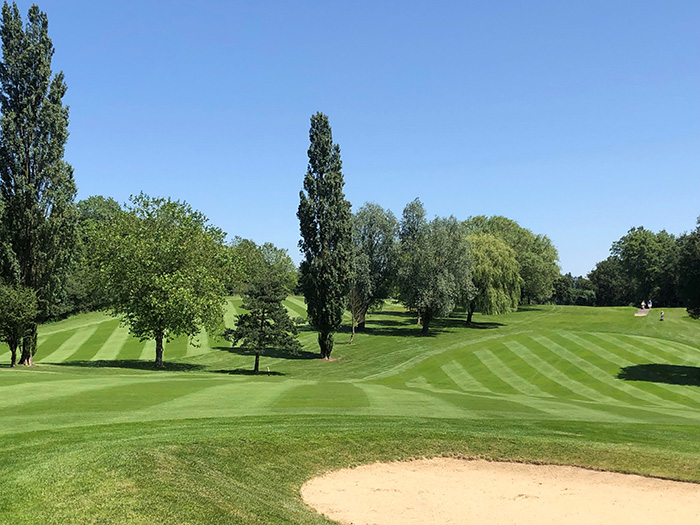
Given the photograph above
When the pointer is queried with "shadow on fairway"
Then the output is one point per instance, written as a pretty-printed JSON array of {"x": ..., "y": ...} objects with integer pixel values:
[
  {"x": 270, "y": 352},
  {"x": 483, "y": 326},
  {"x": 658, "y": 373},
  {"x": 247, "y": 372},
  {"x": 133, "y": 364}
]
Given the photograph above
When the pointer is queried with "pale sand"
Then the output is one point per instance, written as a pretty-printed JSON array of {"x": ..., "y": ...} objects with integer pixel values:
[{"x": 450, "y": 491}]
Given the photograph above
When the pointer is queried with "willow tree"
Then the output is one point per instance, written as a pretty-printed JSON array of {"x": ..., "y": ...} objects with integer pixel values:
[
  {"x": 374, "y": 232},
  {"x": 326, "y": 241},
  {"x": 495, "y": 276},
  {"x": 36, "y": 184}
]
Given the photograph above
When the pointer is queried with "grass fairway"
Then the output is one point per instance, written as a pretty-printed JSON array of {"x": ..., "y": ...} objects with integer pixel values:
[{"x": 94, "y": 434}]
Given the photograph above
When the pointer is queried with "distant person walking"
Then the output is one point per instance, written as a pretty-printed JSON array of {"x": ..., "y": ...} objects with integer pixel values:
[
  {"x": 649, "y": 303},
  {"x": 644, "y": 305},
  {"x": 661, "y": 318}
]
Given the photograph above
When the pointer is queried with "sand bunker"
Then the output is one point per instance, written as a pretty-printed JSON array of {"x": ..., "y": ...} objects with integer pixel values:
[{"x": 447, "y": 491}]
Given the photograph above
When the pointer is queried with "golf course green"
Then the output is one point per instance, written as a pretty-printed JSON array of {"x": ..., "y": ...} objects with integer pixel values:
[{"x": 93, "y": 434}]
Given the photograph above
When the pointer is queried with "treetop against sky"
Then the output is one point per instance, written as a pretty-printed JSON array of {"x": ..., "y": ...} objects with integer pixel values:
[{"x": 578, "y": 120}]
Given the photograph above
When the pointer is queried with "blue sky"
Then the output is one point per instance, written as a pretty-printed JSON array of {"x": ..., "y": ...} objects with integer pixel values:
[{"x": 578, "y": 119}]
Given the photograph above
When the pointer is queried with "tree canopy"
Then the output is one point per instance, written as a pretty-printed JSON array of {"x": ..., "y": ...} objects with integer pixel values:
[
  {"x": 19, "y": 308},
  {"x": 375, "y": 232},
  {"x": 536, "y": 255},
  {"x": 162, "y": 265},
  {"x": 495, "y": 276},
  {"x": 435, "y": 264},
  {"x": 326, "y": 239},
  {"x": 689, "y": 283}
]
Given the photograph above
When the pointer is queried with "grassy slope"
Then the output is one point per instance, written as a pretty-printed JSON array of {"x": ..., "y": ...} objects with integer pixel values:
[{"x": 94, "y": 435}]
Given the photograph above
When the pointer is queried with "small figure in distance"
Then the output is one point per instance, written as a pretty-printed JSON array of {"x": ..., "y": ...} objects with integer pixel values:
[
  {"x": 661, "y": 318},
  {"x": 649, "y": 303},
  {"x": 644, "y": 305}
]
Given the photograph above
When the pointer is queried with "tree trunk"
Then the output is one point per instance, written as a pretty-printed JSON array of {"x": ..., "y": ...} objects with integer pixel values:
[
  {"x": 29, "y": 347},
  {"x": 352, "y": 335},
  {"x": 159, "y": 349},
  {"x": 13, "y": 355},
  {"x": 470, "y": 312},
  {"x": 426, "y": 324},
  {"x": 257, "y": 363},
  {"x": 325, "y": 342}
]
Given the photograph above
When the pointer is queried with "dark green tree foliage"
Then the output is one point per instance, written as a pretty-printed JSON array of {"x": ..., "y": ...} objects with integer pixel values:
[
  {"x": 162, "y": 265},
  {"x": 81, "y": 292},
  {"x": 435, "y": 265},
  {"x": 326, "y": 238},
  {"x": 650, "y": 263},
  {"x": 36, "y": 184},
  {"x": 495, "y": 276},
  {"x": 537, "y": 257},
  {"x": 267, "y": 324},
  {"x": 610, "y": 283},
  {"x": 375, "y": 233},
  {"x": 19, "y": 308},
  {"x": 689, "y": 282},
  {"x": 570, "y": 290}
]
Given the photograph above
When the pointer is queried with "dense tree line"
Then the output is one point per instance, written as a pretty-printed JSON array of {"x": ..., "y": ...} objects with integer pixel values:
[{"x": 645, "y": 265}]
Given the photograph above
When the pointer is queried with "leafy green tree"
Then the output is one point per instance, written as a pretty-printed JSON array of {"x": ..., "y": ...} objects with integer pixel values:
[
  {"x": 19, "y": 308},
  {"x": 650, "y": 262},
  {"x": 249, "y": 262},
  {"x": 435, "y": 265},
  {"x": 536, "y": 255},
  {"x": 326, "y": 238},
  {"x": 375, "y": 232},
  {"x": 162, "y": 265},
  {"x": 610, "y": 283},
  {"x": 495, "y": 276},
  {"x": 36, "y": 184},
  {"x": 267, "y": 324},
  {"x": 689, "y": 282}
]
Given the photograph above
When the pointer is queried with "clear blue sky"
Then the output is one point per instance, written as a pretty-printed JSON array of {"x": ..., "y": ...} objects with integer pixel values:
[{"x": 578, "y": 119}]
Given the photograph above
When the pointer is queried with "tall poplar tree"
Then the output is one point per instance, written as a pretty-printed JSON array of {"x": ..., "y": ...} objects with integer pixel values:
[
  {"x": 326, "y": 235},
  {"x": 36, "y": 184}
]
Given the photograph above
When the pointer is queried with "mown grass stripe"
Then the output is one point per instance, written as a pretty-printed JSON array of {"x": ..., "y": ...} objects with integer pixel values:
[
  {"x": 616, "y": 360},
  {"x": 677, "y": 350},
  {"x": 652, "y": 357},
  {"x": 51, "y": 344},
  {"x": 629, "y": 352},
  {"x": 70, "y": 346},
  {"x": 508, "y": 375},
  {"x": 199, "y": 346},
  {"x": 88, "y": 349},
  {"x": 110, "y": 350},
  {"x": 148, "y": 352},
  {"x": 458, "y": 374},
  {"x": 576, "y": 388},
  {"x": 598, "y": 373}
]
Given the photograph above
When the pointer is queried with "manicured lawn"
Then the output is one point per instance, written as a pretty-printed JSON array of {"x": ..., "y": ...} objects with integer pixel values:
[{"x": 94, "y": 434}]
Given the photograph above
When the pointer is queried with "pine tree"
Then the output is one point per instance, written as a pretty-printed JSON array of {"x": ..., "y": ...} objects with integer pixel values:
[
  {"x": 267, "y": 324},
  {"x": 36, "y": 184},
  {"x": 326, "y": 240}
]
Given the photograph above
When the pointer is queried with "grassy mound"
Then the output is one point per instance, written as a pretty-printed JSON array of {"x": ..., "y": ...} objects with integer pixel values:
[{"x": 94, "y": 434}]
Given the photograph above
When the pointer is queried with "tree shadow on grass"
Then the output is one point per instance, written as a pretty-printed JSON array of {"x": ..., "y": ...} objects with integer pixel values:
[
  {"x": 268, "y": 352},
  {"x": 483, "y": 326},
  {"x": 247, "y": 372},
  {"x": 133, "y": 364},
  {"x": 661, "y": 373}
]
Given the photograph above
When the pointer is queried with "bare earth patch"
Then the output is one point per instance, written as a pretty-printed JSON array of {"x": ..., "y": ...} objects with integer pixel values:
[{"x": 450, "y": 491}]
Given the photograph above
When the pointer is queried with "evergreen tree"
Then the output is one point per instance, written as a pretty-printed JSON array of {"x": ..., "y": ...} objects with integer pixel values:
[
  {"x": 36, "y": 184},
  {"x": 689, "y": 283},
  {"x": 326, "y": 242},
  {"x": 267, "y": 324}
]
